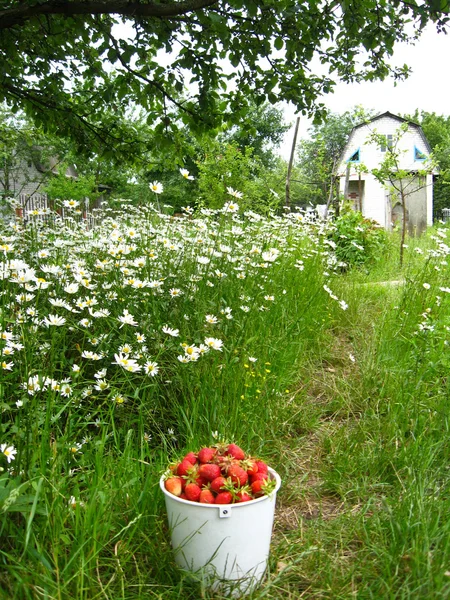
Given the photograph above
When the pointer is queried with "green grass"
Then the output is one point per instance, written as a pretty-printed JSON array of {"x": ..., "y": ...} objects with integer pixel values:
[{"x": 349, "y": 406}]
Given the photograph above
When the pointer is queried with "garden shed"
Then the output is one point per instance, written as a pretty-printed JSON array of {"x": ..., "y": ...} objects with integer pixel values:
[{"x": 375, "y": 199}]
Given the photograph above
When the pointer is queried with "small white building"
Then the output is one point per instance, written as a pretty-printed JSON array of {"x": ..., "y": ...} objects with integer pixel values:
[{"x": 376, "y": 201}]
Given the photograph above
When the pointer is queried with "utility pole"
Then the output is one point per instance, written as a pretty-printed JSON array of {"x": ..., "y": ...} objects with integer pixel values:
[{"x": 291, "y": 162}]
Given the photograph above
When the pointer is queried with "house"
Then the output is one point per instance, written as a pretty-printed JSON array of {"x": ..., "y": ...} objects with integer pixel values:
[
  {"x": 380, "y": 201},
  {"x": 28, "y": 174}
]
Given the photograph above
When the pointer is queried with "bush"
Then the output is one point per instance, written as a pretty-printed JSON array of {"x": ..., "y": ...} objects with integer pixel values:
[{"x": 357, "y": 240}]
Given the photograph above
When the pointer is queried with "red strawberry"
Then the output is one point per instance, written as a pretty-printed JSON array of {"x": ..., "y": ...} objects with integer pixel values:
[
  {"x": 206, "y": 455},
  {"x": 192, "y": 492},
  {"x": 244, "y": 496},
  {"x": 224, "y": 498},
  {"x": 183, "y": 496},
  {"x": 207, "y": 497},
  {"x": 184, "y": 467},
  {"x": 209, "y": 471},
  {"x": 238, "y": 475},
  {"x": 257, "y": 487},
  {"x": 258, "y": 477},
  {"x": 201, "y": 481},
  {"x": 190, "y": 456},
  {"x": 262, "y": 467},
  {"x": 218, "y": 484},
  {"x": 174, "y": 485},
  {"x": 235, "y": 451},
  {"x": 250, "y": 466}
]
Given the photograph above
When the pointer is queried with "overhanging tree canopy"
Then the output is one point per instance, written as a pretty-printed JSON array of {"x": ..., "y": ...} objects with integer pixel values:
[{"x": 66, "y": 63}]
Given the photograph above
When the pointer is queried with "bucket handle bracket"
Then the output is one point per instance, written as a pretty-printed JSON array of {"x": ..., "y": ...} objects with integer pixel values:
[{"x": 225, "y": 512}]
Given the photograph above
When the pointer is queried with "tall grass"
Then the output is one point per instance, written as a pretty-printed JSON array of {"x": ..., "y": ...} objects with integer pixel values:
[{"x": 349, "y": 404}]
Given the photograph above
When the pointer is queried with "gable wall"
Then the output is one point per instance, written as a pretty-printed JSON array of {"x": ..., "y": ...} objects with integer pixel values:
[{"x": 371, "y": 155}]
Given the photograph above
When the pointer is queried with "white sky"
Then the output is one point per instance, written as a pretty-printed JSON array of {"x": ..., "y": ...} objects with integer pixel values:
[{"x": 427, "y": 88}]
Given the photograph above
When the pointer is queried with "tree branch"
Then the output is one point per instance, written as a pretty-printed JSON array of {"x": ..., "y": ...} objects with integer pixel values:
[{"x": 21, "y": 13}]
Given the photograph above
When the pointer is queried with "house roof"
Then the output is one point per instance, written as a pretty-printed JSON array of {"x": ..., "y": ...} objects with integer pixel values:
[{"x": 381, "y": 116}]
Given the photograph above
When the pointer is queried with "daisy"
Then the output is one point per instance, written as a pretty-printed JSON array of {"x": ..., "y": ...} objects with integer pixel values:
[
  {"x": 230, "y": 207},
  {"x": 214, "y": 343},
  {"x": 127, "y": 319},
  {"x": 129, "y": 364},
  {"x": 156, "y": 187},
  {"x": 234, "y": 193},
  {"x": 9, "y": 451},
  {"x": 211, "y": 319},
  {"x": 185, "y": 174},
  {"x": 151, "y": 368},
  {"x": 54, "y": 320},
  {"x": 170, "y": 331}
]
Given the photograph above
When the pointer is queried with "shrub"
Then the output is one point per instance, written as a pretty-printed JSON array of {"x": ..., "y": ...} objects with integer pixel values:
[{"x": 357, "y": 240}]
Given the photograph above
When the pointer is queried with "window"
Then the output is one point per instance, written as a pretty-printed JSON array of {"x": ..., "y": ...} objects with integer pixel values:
[
  {"x": 418, "y": 155},
  {"x": 354, "y": 158},
  {"x": 387, "y": 143}
]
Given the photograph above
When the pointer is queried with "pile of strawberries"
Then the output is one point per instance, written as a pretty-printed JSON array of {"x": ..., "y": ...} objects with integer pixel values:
[{"x": 220, "y": 474}]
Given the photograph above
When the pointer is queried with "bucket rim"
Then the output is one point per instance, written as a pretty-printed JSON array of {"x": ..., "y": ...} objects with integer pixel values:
[{"x": 236, "y": 505}]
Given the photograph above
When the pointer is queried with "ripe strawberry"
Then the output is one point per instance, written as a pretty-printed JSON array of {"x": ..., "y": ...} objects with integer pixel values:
[
  {"x": 235, "y": 451},
  {"x": 192, "y": 492},
  {"x": 174, "y": 485},
  {"x": 207, "y": 497},
  {"x": 258, "y": 477},
  {"x": 200, "y": 481},
  {"x": 256, "y": 486},
  {"x": 243, "y": 495},
  {"x": 224, "y": 498},
  {"x": 238, "y": 475},
  {"x": 209, "y": 471},
  {"x": 262, "y": 467},
  {"x": 218, "y": 484},
  {"x": 190, "y": 456},
  {"x": 249, "y": 464},
  {"x": 184, "y": 468},
  {"x": 206, "y": 455}
]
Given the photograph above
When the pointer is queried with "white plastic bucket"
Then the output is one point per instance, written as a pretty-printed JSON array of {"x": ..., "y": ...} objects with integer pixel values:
[{"x": 228, "y": 544}]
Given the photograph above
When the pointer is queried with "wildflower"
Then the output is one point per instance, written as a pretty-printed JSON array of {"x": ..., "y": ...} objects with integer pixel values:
[
  {"x": 230, "y": 207},
  {"x": 7, "y": 366},
  {"x": 252, "y": 359},
  {"x": 101, "y": 385},
  {"x": 156, "y": 187},
  {"x": 183, "y": 358},
  {"x": 151, "y": 368},
  {"x": 91, "y": 355},
  {"x": 54, "y": 320},
  {"x": 147, "y": 437},
  {"x": 9, "y": 451},
  {"x": 211, "y": 319},
  {"x": 140, "y": 337},
  {"x": 170, "y": 331},
  {"x": 100, "y": 374},
  {"x": 426, "y": 286},
  {"x": 234, "y": 193},
  {"x": 127, "y": 319},
  {"x": 343, "y": 304},
  {"x": 71, "y": 203},
  {"x": 76, "y": 368},
  {"x": 119, "y": 399},
  {"x": 174, "y": 292},
  {"x": 214, "y": 343},
  {"x": 65, "y": 390},
  {"x": 75, "y": 448},
  {"x": 128, "y": 364},
  {"x": 191, "y": 351},
  {"x": 271, "y": 255},
  {"x": 186, "y": 175},
  {"x": 73, "y": 503}
]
